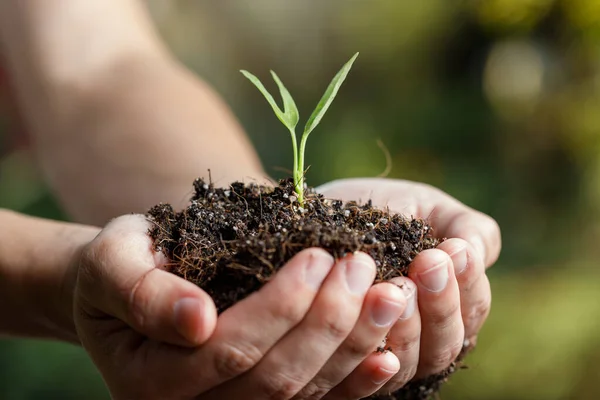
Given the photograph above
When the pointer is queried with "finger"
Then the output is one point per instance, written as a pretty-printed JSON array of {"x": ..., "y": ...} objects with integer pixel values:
[
  {"x": 120, "y": 275},
  {"x": 404, "y": 337},
  {"x": 442, "y": 331},
  {"x": 382, "y": 306},
  {"x": 474, "y": 286},
  {"x": 478, "y": 229},
  {"x": 246, "y": 331},
  {"x": 367, "y": 378},
  {"x": 297, "y": 358},
  {"x": 449, "y": 217}
]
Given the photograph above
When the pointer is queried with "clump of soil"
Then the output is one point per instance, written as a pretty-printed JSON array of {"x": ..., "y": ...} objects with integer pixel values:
[{"x": 231, "y": 241}]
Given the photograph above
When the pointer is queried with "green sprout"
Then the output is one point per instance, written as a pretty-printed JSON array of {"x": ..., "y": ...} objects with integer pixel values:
[{"x": 289, "y": 117}]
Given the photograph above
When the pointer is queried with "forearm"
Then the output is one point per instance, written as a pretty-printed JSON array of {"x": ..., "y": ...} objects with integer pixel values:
[
  {"x": 117, "y": 123},
  {"x": 37, "y": 274}
]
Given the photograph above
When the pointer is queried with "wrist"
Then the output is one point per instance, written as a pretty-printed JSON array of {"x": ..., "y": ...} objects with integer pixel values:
[
  {"x": 57, "y": 313},
  {"x": 38, "y": 261}
]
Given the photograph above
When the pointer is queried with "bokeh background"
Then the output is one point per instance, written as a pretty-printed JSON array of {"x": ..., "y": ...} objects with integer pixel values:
[{"x": 496, "y": 102}]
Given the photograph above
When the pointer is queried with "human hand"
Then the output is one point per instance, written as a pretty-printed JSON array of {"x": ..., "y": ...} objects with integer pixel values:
[
  {"x": 449, "y": 283},
  {"x": 154, "y": 335}
]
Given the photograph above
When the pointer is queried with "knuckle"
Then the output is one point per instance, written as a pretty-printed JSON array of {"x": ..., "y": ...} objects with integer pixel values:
[
  {"x": 406, "y": 343},
  {"x": 407, "y": 374},
  {"x": 90, "y": 256},
  {"x": 88, "y": 253},
  {"x": 86, "y": 271},
  {"x": 288, "y": 310},
  {"x": 478, "y": 312},
  {"x": 402, "y": 378},
  {"x": 357, "y": 349},
  {"x": 335, "y": 324},
  {"x": 280, "y": 386},
  {"x": 91, "y": 273},
  {"x": 313, "y": 391},
  {"x": 103, "y": 247},
  {"x": 443, "y": 318},
  {"x": 231, "y": 361},
  {"x": 444, "y": 357},
  {"x": 95, "y": 255}
]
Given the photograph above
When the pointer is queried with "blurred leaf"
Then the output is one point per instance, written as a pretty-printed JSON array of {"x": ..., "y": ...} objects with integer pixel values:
[{"x": 511, "y": 15}]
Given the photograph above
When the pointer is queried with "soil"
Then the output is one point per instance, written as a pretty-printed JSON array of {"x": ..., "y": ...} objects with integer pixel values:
[{"x": 231, "y": 241}]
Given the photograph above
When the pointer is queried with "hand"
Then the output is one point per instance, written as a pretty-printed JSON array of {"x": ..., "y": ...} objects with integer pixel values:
[
  {"x": 448, "y": 284},
  {"x": 154, "y": 335}
]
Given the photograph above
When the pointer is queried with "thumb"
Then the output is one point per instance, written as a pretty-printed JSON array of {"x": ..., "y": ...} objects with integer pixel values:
[{"x": 121, "y": 276}]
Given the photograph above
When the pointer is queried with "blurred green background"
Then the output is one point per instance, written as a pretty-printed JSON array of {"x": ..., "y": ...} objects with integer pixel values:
[{"x": 496, "y": 102}]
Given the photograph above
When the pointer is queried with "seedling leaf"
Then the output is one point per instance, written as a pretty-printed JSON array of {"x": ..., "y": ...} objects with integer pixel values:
[
  {"x": 289, "y": 106},
  {"x": 290, "y": 116},
  {"x": 280, "y": 114},
  {"x": 328, "y": 97}
]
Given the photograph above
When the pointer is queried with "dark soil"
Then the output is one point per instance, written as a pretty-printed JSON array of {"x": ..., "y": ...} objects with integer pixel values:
[{"x": 230, "y": 241}]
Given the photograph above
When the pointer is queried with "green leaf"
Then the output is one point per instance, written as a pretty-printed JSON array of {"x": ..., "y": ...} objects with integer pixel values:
[
  {"x": 280, "y": 114},
  {"x": 289, "y": 106},
  {"x": 328, "y": 97}
]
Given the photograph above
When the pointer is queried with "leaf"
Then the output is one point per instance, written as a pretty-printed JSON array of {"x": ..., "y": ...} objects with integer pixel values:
[
  {"x": 328, "y": 97},
  {"x": 289, "y": 106},
  {"x": 280, "y": 114}
]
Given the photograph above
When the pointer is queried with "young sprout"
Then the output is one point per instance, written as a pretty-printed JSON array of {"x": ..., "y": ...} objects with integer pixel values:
[{"x": 289, "y": 117}]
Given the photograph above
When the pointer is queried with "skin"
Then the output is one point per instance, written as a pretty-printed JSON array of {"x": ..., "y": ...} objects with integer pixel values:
[
  {"x": 448, "y": 284},
  {"x": 104, "y": 100},
  {"x": 91, "y": 113},
  {"x": 313, "y": 302}
]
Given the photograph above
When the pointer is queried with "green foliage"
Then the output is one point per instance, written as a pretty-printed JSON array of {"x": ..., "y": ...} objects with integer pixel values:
[
  {"x": 328, "y": 97},
  {"x": 290, "y": 116}
]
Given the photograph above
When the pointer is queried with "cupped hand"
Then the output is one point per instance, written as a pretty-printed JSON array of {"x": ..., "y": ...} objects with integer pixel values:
[
  {"x": 448, "y": 292},
  {"x": 154, "y": 335}
]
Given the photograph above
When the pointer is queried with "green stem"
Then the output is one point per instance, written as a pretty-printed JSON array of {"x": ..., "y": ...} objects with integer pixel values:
[
  {"x": 301, "y": 168},
  {"x": 298, "y": 177}
]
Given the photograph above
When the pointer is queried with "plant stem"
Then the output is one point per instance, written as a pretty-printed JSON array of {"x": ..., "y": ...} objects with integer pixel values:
[
  {"x": 300, "y": 168},
  {"x": 297, "y": 171}
]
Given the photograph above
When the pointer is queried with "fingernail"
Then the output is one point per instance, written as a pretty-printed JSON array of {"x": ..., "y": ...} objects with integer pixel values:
[
  {"x": 436, "y": 278},
  {"x": 385, "y": 312},
  {"x": 359, "y": 273},
  {"x": 317, "y": 269},
  {"x": 386, "y": 374},
  {"x": 411, "y": 301},
  {"x": 460, "y": 261},
  {"x": 183, "y": 312},
  {"x": 477, "y": 243}
]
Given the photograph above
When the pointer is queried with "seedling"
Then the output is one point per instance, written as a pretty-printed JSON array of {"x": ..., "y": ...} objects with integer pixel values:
[
  {"x": 231, "y": 249},
  {"x": 289, "y": 117}
]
